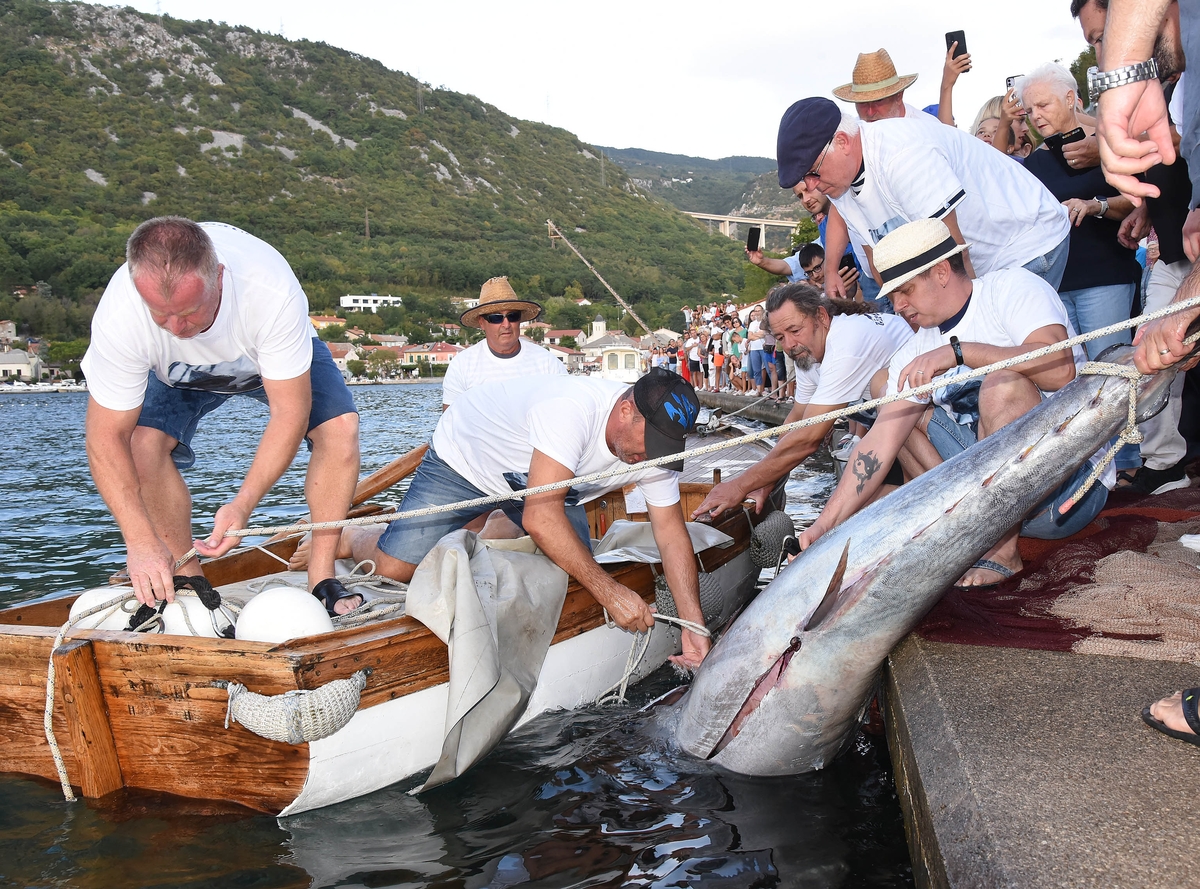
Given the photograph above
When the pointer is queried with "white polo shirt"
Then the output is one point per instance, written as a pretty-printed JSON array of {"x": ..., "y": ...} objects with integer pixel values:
[{"x": 922, "y": 169}]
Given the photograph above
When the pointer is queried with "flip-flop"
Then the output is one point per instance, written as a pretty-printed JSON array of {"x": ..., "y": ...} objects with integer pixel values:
[
  {"x": 1191, "y": 697},
  {"x": 331, "y": 591},
  {"x": 988, "y": 565},
  {"x": 1125, "y": 478}
]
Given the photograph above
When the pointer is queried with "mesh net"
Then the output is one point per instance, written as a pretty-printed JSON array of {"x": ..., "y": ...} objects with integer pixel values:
[{"x": 1123, "y": 586}]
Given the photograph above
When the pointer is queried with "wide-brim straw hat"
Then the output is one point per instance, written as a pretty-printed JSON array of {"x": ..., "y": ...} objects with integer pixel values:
[
  {"x": 497, "y": 295},
  {"x": 874, "y": 78},
  {"x": 911, "y": 249}
]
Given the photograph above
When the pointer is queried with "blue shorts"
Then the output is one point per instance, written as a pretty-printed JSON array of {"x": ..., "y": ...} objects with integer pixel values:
[
  {"x": 178, "y": 411},
  {"x": 1044, "y": 521},
  {"x": 437, "y": 484}
]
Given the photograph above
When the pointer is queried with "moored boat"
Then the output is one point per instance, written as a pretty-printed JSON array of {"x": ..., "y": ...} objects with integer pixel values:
[{"x": 144, "y": 711}]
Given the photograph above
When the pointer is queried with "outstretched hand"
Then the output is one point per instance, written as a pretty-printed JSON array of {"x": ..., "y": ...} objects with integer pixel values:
[
  {"x": 230, "y": 517},
  {"x": 955, "y": 66},
  {"x": 695, "y": 650}
]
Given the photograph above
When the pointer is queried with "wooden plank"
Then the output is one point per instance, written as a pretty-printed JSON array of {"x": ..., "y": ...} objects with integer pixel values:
[
  {"x": 382, "y": 479},
  {"x": 78, "y": 688},
  {"x": 24, "y": 658},
  {"x": 47, "y": 613}
]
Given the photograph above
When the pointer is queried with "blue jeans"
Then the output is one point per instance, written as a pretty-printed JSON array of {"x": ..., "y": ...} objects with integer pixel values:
[
  {"x": 177, "y": 411},
  {"x": 1051, "y": 265},
  {"x": 436, "y": 483},
  {"x": 1095, "y": 307},
  {"x": 754, "y": 360},
  {"x": 1044, "y": 522}
]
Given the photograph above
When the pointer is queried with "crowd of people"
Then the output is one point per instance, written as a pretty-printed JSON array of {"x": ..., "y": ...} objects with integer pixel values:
[{"x": 953, "y": 251}]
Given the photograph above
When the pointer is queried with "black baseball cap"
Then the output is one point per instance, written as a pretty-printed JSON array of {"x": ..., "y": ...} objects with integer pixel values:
[
  {"x": 668, "y": 403},
  {"x": 804, "y": 131}
]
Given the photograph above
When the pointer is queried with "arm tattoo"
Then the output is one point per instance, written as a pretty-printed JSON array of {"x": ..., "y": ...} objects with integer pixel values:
[{"x": 865, "y": 466}]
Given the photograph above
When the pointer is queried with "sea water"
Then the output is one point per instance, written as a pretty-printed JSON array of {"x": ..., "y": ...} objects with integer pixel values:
[{"x": 573, "y": 799}]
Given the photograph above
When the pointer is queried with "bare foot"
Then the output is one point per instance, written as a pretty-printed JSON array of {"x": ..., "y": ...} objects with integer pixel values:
[
  {"x": 347, "y": 604},
  {"x": 299, "y": 559},
  {"x": 1169, "y": 711},
  {"x": 500, "y": 527}
]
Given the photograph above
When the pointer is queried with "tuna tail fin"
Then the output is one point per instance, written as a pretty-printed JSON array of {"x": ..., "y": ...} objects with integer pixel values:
[{"x": 831, "y": 598}]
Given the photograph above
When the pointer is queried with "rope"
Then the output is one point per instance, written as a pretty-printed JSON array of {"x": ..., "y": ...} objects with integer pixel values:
[
  {"x": 637, "y": 651},
  {"x": 703, "y": 450}
]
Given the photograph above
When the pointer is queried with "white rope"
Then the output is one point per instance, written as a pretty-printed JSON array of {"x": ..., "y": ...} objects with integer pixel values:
[
  {"x": 703, "y": 450},
  {"x": 615, "y": 693}
]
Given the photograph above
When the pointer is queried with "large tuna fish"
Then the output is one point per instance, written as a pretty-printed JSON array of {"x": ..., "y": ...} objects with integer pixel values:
[{"x": 785, "y": 688}]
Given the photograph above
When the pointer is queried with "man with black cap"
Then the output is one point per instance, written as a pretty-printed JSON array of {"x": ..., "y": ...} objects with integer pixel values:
[
  {"x": 524, "y": 433},
  {"x": 881, "y": 175},
  {"x": 502, "y": 354}
]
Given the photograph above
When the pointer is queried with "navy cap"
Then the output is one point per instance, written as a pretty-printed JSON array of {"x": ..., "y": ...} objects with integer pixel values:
[
  {"x": 805, "y": 130},
  {"x": 668, "y": 403}
]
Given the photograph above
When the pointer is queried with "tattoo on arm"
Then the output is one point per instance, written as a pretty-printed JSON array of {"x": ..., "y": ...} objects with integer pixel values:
[{"x": 865, "y": 466}]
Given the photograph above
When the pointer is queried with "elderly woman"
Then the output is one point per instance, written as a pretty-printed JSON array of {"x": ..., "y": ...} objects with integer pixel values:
[{"x": 1101, "y": 278}]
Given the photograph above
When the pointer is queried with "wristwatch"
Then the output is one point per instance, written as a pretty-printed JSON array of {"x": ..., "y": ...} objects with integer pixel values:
[
  {"x": 1107, "y": 80},
  {"x": 1103, "y": 202},
  {"x": 954, "y": 344}
]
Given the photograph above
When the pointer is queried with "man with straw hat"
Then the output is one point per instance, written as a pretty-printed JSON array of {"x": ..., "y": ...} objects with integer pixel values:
[
  {"x": 877, "y": 90},
  {"x": 502, "y": 354},
  {"x": 964, "y": 323}
]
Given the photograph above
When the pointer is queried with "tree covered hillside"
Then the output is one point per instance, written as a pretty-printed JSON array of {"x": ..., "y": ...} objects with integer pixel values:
[{"x": 109, "y": 117}]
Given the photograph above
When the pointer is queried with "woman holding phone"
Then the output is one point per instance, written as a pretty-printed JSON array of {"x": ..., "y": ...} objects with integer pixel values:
[{"x": 1101, "y": 277}]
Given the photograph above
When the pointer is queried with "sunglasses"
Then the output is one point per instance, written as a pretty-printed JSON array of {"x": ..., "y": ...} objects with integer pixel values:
[
  {"x": 498, "y": 317},
  {"x": 813, "y": 177}
]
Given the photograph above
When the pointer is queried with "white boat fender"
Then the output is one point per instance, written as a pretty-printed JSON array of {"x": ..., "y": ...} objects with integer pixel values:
[
  {"x": 280, "y": 613},
  {"x": 200, "y": 614},
  {"x": 114, "y": 617},
  {"x": 296, "y": 717}
]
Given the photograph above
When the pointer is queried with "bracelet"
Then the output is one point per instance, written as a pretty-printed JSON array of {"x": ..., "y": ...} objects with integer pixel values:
[
  {"x": 954, "y": 344},
  {"x": 1100, "y": 81}
]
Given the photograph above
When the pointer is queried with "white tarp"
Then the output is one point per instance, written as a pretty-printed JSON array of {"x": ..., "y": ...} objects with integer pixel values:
[{"x": 634, "y": 542}]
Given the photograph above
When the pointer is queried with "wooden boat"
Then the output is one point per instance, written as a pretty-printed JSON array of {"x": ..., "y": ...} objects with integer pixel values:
[{"x": 140, "y": 710}]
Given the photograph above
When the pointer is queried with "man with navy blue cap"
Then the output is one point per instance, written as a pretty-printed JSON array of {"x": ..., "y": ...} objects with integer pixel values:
[
  {"x": 523, "y": 433},
  {"x": 884, "y": 174}
]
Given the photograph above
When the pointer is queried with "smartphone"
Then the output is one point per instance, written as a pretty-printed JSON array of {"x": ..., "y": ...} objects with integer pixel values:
[
  {"x": 961, "y": 38},
  {"x": 1056, "y": 142},
  {"x": 752, "y": 239},
  {"x": 847, "y": 262}
]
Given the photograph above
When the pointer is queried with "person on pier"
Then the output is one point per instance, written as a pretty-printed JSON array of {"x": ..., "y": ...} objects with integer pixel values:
[
  {"x": 201, "y": 312},
  {"x": 838, "y": 347},
  {"x": 965, "y": 323}
]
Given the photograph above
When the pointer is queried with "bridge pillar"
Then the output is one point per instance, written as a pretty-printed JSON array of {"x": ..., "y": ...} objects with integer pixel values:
[{"x": 725, "y": 227}]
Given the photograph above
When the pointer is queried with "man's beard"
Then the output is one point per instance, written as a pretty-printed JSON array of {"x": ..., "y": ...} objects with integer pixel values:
[{"x": 803, "y": 358}]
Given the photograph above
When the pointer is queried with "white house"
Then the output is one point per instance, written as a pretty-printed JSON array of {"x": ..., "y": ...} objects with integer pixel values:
[
  {"x": 17, "y": 364},
  {"x": 361, "y": 303}
]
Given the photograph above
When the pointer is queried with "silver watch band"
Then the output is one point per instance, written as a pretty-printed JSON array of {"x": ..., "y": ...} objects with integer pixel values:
[{"x": 1100, "y": 81}]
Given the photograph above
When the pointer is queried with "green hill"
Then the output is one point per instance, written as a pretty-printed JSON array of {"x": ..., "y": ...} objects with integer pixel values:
[
  {"x": 109, "y": 116},
  {"x": 692, "y": 183}
]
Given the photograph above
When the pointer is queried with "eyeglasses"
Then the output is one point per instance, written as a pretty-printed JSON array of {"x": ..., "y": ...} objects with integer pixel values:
[
  {"x": 498, "y": 317},
  {"x": 817, "y": 267},
  {"x": 815, "y": 173}
]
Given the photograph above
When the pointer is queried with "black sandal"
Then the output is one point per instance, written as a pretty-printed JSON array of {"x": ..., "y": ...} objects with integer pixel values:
[
  {"x": 331, "y": 591},
  {"x": 1191, "y": 697}
]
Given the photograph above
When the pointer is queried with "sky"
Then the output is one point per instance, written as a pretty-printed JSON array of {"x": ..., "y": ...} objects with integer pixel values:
[{"x": 697, "y": 78}]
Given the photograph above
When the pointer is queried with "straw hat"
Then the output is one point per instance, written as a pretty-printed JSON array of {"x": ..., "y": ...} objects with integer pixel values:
[
  {"x": 911, "y": 249},
  {"x": 874, "y": 78},
  {"x": 497, "y": 295}
]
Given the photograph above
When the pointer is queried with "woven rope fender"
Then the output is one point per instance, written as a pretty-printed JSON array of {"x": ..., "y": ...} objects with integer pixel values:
[
  {"x": 766, "y": 541},
  {"x": 297, "y": 717}
]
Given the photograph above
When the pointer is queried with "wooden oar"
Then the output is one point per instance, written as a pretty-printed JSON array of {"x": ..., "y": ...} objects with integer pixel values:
[{"x": 382, "y": 479}]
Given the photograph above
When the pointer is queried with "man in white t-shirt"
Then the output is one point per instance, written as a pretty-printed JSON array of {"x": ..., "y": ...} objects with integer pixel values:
[
  {"x": 963, "y": 324},
  {"x": 199, "y": 313},
  {"x": 524, "y": 433},
  {"x": 838, "y": 348},
  {"x": 502, "y": 354},
  {"x": 881, "y": 175}
]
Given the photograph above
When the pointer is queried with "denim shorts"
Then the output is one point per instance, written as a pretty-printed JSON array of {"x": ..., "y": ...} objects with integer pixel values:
[
  {"x": 177, "y": 411},
  {"x": 1044, "y": 521},
  {"x": 437, "y": 484}
]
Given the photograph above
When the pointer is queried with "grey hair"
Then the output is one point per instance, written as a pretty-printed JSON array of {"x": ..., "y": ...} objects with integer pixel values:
[
  {"x": 849, "y": 125},
  {"x": 1052, "y": 74},
  {"x": 169, "y": 248}
]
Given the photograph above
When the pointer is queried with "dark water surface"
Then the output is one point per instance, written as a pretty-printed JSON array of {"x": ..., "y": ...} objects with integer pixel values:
[{"x": 586, "y": 798}]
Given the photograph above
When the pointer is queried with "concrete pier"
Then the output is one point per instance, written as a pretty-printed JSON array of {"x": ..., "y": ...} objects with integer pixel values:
[
  {"x": 770, "y": 412},
  {"x": 1032, "y": 769}
]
